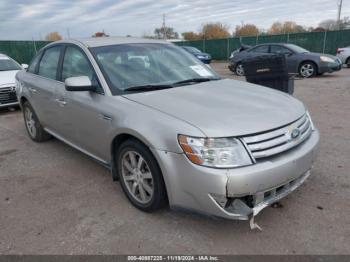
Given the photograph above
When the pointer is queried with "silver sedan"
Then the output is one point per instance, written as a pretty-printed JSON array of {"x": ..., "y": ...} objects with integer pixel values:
[{"x": 167, "y": 126}]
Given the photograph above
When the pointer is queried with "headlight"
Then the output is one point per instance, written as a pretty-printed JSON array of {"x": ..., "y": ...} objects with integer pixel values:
[
  {"x": 215, "y": 152},
  {"x": 327, "y": 59},
  {"x": 201, "y": 57}
]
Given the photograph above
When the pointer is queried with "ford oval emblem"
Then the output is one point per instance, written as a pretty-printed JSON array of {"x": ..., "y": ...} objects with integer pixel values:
[{"x": 295, "y": 133}]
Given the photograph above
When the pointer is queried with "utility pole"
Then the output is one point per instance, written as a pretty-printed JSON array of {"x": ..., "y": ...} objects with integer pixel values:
[
  {"x": 340, "y": 4},
  {"x": 164, "y": 27},
  {"x": 68, "y": 33}
]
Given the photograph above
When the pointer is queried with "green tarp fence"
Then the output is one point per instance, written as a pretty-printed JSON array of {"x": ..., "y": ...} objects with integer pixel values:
[
  {"x": 21, "y": 51},
  {"x": 321, "y": 42},
  {"x": 220, "y": 49}
]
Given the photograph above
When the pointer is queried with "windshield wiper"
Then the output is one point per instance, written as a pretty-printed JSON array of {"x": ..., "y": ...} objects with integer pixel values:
[
  {"x": 148, "y": 87},
  {"x": 195, "y": 80}
]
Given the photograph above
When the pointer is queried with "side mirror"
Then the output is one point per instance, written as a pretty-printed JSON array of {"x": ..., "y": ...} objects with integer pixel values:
[
  {"x": 24, "y": 66},
  {"x": 79, "y": 83}
]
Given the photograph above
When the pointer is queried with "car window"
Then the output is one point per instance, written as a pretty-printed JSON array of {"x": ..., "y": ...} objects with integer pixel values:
[
  {"x": 33, "y": 65},
  {"x": 261, "y": 49},
  {"x": 277, "y": 49},
  {"x": 75, "y": 63},
  {"x": 49, "y": 62}
]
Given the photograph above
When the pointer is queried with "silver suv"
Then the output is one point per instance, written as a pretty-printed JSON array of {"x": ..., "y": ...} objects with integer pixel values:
[{"x": 167, "y": 126}]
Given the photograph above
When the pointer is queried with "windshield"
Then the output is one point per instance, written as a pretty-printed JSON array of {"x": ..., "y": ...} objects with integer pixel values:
[
  {"x": 297, "y": 49},
  {"x": 7, "y": 64},
  {"x": 127, "y": 66}
]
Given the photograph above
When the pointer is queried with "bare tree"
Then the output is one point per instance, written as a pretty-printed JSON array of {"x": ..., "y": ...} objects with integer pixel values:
[{"x": 246, "y": 30}]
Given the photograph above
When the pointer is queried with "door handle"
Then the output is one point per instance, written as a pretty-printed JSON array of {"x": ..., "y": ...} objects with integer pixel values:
[
  {"x": 61, "y": 102},
  {"x": 105, "y": 117},
  {"x": 31, "y": 89}
]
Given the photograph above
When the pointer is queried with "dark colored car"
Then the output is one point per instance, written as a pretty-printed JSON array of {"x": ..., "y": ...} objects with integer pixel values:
[
  {"x": 204, "y": 57},
  {"x": 299, "y": 60}
]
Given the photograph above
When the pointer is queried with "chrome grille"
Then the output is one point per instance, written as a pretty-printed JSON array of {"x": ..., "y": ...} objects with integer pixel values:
[
  {"x": 7, "y": 95},
  {"x": 279, "y": 140}
]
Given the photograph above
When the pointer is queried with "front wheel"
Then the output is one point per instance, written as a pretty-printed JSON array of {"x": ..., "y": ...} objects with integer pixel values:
[
  {"x": 307, "y": 69},
  {"x": 35, "y": 130},
  {"x": 348, "y": 62},
  {"x": 140, "y": 176},
  {"x": 239, "y": 70}
]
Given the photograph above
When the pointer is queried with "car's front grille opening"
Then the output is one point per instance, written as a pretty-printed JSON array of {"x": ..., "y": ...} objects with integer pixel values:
[
  {"x": 7, "y": 95},
  {"x": 273, "y": 142}
]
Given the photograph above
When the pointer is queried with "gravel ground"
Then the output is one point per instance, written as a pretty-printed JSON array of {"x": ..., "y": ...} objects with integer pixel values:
[{"x": 55, "y": 200}]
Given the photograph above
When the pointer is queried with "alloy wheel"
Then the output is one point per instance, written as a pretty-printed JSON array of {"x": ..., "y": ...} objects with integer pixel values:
[
  {"x": 307, "y": 70},
  {"x": 30, "y": 122},
  {"x": 240, "y": 70},
  {"x": 137, "y": 177}
]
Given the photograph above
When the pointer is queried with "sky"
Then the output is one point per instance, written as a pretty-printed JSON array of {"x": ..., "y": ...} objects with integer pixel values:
[{"x": 34, "y": 19}]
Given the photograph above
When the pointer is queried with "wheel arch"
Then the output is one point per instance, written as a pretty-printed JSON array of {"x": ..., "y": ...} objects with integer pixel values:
[
  {"x": 124, "y": 136},
  {"x": 347, "y": 60},
  {"x": 22, "y": 100}
]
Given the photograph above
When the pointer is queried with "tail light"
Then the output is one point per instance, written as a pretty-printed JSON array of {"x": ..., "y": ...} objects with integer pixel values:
[{"x": 339, "y": 50}]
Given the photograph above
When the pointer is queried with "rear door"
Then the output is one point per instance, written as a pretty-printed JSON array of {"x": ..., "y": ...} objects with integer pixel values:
[{"x": 41, "y": 82}]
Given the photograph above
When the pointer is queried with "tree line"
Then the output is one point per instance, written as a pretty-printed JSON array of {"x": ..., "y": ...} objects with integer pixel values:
[{"x": 219, "y": 30}]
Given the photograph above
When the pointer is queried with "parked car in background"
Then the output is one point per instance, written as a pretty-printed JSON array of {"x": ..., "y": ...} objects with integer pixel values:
[
  {"x": 204, "y": 57},
  {"x": 172, "y": 131},
  {"x": 299, "y": 60},
  {"x": 8, "y": 70},
  {"x": 344, "y": 55}
]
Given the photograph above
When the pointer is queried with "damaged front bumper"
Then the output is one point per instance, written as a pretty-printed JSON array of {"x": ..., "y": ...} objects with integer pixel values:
[
  {"x": 245, "y": 207},
  {"x": 239, "y": 193}
]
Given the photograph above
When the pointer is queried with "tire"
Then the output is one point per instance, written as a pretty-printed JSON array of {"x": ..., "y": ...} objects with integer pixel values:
[
  {"x": 35, "y": 130},
  {"x": 140, "y": 176},
  {"x": 239, "y": 71},
  {"x": 307, "y": 69},
  {"x": 348, "y": 62}
]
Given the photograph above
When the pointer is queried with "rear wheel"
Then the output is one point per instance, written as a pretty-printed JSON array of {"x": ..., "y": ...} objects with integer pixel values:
[
  {"x": 239, "y": 70},
  {"x": 35, "y": 131},
  {"x": 140, "y": 176},
  {"x": 307, "y": 69}
]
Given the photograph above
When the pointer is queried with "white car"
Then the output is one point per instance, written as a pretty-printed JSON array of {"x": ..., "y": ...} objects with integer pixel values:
[
  {"x": 344, "y": 55},
  {"x": 8, "y": 70}
]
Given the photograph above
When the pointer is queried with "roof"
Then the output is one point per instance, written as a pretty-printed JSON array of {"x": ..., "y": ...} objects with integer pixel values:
[{"x": 105, "y": 41}]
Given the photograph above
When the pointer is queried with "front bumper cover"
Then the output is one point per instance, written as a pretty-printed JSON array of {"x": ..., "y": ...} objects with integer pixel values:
[{"x": 239, "y": 193}]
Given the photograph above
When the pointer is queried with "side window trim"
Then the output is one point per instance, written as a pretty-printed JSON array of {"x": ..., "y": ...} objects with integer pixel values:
[{"x": 87, "y": 58}]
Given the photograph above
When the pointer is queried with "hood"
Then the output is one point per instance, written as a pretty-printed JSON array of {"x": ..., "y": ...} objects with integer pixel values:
[
  {"x": 7, "y": 77},
  {"x": 225, "y": 107}
]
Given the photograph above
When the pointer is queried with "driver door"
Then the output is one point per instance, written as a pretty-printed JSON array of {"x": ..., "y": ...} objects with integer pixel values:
[
  {"x": 291, "y": 58},
  {"x": 82, "y": 119}
]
